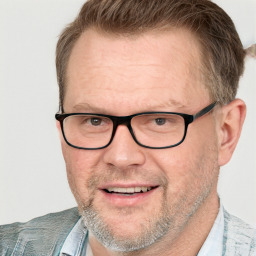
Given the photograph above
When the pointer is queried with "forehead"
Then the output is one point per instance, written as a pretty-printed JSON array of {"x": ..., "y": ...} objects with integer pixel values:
[{"x": 155, "y": 68}]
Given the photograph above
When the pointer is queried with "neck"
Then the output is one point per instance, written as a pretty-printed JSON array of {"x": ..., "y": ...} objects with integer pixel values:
[{"x": 187, "y": 243}]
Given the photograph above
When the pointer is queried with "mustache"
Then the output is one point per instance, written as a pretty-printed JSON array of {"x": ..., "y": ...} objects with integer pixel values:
[{"x": 130, "y": 174}]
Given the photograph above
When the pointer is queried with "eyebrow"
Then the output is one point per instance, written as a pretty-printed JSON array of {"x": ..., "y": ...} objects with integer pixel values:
[
  {"x": 171, "y": 103},
  {"x": 86, "y": 107}
]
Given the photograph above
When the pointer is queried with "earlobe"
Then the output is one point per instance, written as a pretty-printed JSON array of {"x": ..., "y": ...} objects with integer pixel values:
[
  {"x": 59, "y": 129},
  {"x": 231, "y": 124},
  {"x": 58, "y": 126}
]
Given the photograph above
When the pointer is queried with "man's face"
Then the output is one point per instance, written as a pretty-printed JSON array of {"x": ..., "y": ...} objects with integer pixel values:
[{"x": 156, "y": 71}]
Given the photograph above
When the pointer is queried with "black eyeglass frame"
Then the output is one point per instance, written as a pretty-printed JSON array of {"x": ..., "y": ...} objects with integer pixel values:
[{"x": 126, "y": 120}]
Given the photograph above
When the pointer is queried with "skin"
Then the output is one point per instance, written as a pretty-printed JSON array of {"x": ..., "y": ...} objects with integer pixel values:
[{"x": 155, "y": 71}]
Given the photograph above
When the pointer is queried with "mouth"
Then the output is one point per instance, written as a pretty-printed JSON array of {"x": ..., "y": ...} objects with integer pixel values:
[
  {"x": 129, "y": 191},
  {"x": 128, "y": 195}
]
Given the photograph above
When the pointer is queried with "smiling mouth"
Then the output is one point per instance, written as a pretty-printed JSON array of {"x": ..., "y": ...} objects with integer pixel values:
[{"x": 128, "y": 191}]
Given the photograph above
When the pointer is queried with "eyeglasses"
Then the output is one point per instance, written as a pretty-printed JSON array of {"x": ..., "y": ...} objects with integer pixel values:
[{"x": 155, "y": 130}]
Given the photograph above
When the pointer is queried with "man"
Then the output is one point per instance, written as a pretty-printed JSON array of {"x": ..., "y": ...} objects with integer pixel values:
[{"x": 147, "y": 117}]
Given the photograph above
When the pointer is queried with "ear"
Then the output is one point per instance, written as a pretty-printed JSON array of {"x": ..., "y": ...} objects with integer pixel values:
[
  {"x": 230, "y": 126},
  {"x": 59, "y": 129}
]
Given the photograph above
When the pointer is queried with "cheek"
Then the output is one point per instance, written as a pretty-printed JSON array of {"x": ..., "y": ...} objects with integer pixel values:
[
  {"x": 189, "y": 166},
  {"x": 78, "y": 161},
  {"x": 79, "y": 167}
]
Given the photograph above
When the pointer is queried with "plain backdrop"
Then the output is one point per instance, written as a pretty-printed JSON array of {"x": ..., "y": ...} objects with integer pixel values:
[{"x": 32, "y": 171}]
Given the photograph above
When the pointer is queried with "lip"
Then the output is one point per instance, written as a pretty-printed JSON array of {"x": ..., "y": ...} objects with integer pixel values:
[
  {"x": 126, "y": 185},
  {"x": 121, "y": 200}
]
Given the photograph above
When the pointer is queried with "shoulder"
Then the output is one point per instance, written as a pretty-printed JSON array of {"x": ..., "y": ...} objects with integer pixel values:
[
  {"x": 239, "y": 237},
  {"x": 41, "y": 234}
]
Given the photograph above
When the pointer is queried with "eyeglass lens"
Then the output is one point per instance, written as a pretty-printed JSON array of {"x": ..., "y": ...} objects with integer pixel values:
[{"x": 152, "y": 130}]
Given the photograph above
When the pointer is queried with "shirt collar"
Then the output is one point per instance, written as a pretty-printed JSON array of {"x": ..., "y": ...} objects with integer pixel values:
[
  {"x": 214, "y": 242},
  {"x": 76, "y": 243}
]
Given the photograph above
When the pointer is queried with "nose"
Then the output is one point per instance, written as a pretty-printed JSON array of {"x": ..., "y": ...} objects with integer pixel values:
[{"x": 123, "y": 151}]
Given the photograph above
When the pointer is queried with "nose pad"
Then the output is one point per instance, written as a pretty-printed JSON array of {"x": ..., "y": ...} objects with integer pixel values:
[{"x": 123, "y": 150}]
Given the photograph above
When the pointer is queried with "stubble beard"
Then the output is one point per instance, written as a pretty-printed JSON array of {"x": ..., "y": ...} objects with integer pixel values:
[
  {"x": 154, "y": 228},
  {"x": 170, "y": 220},
  {"x": 167, "y": 221}
]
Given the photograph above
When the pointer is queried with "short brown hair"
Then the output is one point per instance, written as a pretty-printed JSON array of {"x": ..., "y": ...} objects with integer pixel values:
[{"x": 222, "y": 51}]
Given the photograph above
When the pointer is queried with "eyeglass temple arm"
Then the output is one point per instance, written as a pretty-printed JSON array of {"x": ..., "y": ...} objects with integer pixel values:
[{"x": 205, "y": 110}]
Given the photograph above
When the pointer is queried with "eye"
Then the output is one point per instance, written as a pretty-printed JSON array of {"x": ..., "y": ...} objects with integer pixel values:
[
  {"x": 160, "y": 121},
  {"x": 95, "y": 121}
]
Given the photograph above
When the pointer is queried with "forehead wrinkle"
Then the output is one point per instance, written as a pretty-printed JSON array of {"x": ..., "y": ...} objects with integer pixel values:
[
  {"x": 92, "y": 71},
  {"x": 98, "y": 55},
  {"x": 89, "y": 74}
]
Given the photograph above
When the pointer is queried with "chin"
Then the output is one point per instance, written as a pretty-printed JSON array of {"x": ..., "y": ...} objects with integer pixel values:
[{"x": 126, "y": 231}]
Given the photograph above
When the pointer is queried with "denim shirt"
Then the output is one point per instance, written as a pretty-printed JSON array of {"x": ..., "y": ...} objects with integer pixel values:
[{"x": 45, "y": 236}]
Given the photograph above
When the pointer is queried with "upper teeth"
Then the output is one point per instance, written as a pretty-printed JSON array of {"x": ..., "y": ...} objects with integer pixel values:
[{"x": 129, "y": 190}]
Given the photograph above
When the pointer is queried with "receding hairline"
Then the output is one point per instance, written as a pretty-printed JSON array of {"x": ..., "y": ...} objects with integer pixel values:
[
  {"x": 221, "y": 47},
  {"x": 137, "y": 34}
]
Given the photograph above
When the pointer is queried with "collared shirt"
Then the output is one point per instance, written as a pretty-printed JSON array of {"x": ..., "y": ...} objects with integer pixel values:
[
  {"x": 77, "y": 242},
  {"x": 213, "y": 245}
]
